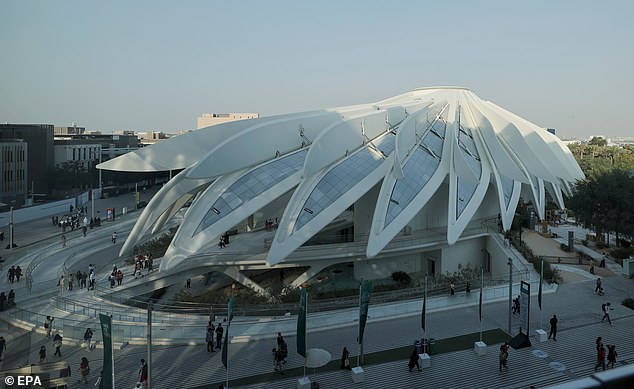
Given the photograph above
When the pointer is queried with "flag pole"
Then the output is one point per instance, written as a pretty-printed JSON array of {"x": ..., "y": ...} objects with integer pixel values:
[
  {"x": 425, "y": 310},
  {"x": 481, "y": 293},
  {"x": 541, "y": 277}
]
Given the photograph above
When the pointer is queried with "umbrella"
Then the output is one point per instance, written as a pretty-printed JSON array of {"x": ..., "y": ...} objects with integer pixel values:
[{"x": 316, "y": 357}]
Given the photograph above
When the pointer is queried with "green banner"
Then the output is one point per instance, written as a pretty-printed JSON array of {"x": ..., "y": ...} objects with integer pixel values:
[
  {"x": 422, "y": 319},
  {"x": 224, "y": 345},
  {"x": 230, "y": 306},
  {"x": 541, "y": 278},
  {"x": 364, "y": 302},
  {"x": 301, "y": 323},
  {"x": 108, "y": 372}
]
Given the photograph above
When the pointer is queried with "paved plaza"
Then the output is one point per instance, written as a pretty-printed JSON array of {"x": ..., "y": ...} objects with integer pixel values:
[{"x": 180, "y": 358}]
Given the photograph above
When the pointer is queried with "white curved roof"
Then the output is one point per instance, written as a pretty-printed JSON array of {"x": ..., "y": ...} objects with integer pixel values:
[{"x": 411, "y": 147}]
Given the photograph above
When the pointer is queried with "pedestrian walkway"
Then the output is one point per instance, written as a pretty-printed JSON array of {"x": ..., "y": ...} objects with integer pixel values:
[{"x": 390, "y": 327}]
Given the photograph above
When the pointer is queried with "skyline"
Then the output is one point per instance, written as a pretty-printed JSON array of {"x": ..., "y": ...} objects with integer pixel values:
[{"x": 156, "y": 66}]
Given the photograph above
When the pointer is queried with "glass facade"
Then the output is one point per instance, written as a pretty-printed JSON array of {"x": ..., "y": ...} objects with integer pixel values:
[{"x": 252, "y": 184}]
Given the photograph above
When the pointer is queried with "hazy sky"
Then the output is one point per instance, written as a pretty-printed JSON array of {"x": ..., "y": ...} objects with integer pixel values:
[{"x": 157, "y": 65}]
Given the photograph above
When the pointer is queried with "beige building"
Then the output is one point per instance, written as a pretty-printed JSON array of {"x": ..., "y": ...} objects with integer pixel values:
[{"x": 211, "y": 119}]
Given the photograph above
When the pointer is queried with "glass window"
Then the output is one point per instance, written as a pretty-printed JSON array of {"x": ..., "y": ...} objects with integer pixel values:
[
  {"x": 344, "y": 175},
  {"x": 252, "y": 184}
]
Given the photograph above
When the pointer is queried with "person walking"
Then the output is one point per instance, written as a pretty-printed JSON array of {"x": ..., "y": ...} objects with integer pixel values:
[
  {"x": 413, "y": 361},
  {"x": 553, "y": 328},
  {"x": 114, "y": 237},
  {"x": 605, "y": 307},
  {"x": 84, "y": 370},
  {"x": 600, "y": 357},
  {"x": 3, "y": 346},
  {"x": 209, "y": 338},
  {"x": 277, "y": 360},
  {"x": 42, "y": 354},
  {"x": 48, "y": 325},
  {"x": 63, "y": 240},
  {"x": 219, "y": 331},
  {"x": 504, "y": 356},
  {"x": 345, "y": 361},
  {"x": 143, "y": 373},
  {"x": 611, "y": 356},
  {"x": 598, "y": 286},
  {"x": 88, "y": 338},
  {"x": 57, "y": 342}
]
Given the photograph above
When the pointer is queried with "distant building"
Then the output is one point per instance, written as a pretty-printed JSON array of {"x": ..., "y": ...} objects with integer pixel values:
[
  {"x": 40, "y": 155},
  {"x": 73, "y": 130},
  {"x": 151, "y": 137},
  {"x": 86, "y": 155},
  {"x": 212, "y": 119},
  {"x": 111, "y": 145},
  {"x": 13, "y": 165}
]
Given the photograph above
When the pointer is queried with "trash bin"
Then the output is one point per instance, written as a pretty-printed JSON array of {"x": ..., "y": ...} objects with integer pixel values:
[{"x": 431, "y": 346}]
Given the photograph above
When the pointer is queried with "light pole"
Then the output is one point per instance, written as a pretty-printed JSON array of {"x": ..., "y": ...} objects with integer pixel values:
[
  {"x": 510, "y": 262},
  {"x": 11, "y": 228}
]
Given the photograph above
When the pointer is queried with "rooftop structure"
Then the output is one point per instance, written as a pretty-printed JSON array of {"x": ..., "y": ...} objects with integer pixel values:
[
  {"x": 405, "y": 183},
  {"x": 213, "y": 119}
]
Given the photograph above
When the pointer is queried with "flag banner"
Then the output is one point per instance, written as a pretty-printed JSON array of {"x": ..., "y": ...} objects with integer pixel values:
[
  {"x": 230, "y": 306},
  {"x": 525, "y": 305},
  {"x": 541, "y": 278},
  {"x": 422, "y": 319},
  {"x": 225, "y": 342},
  {"x": 364, "y": 302},
  {"x": 301, "y": 323},
  {"x": 106, "y": 332},
  {"x": 481, "y": 289}
]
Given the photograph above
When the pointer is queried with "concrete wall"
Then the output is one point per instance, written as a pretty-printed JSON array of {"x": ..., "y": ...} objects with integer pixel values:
[
  {"x": 371, "y": 269},
  {"x": 463, "y": 253},
  {"x": 364, "y": 211}
]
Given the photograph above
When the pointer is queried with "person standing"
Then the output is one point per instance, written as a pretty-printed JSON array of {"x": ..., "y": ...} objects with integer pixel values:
[
  {"x": 452, "y": 289},
  {"x": 600, "y": 357},
  {"x": 57, "y": 342},
  {"x": 88, "y": 338},
  {"x": 219, "y": 331},
  {"x": 71, "y": 277},
  {"x": 188, "y": 284},
  {"x": 114, "y": 237},
  {"x": 413, "y": 361},
  {"x": 553, "y": 328},
  {"x": 18, "y": 273},
  {"x": 598, "y": 286},
  {"x": 611, "y": 356},
  {"x": 63, "y": 240},
  {"x": 43, "y": 354},
  {"x": 11, "y": 274},
  {"x": 606, "y": 312},
  {"x": 209, "y": 338},
  {"x": 504, "y": 356}
]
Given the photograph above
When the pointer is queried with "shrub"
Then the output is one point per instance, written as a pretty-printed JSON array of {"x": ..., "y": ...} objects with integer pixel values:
[
  {"x": 600, "y": 245},
  {"x": 401, "y": 277},
  {"x": 622, "y": 252},
  {"x": 563, "y": 246},
  {"x": 628, "y": 302}
]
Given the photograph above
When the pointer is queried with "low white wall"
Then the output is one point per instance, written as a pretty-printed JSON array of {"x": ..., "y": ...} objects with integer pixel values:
[{"x": 56, "y": 208}]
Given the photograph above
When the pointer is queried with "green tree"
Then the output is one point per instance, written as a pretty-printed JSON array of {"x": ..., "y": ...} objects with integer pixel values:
[
  {"x": 605, "y": 202},
  {"x": 598, "y": 141}
]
